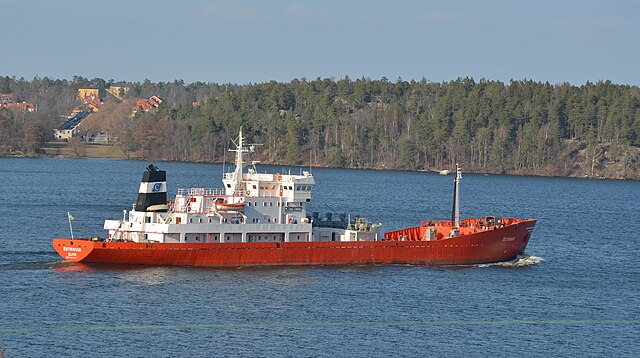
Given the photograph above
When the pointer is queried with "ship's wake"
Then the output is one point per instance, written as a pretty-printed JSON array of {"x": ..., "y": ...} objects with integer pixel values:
[
  {"x": 28, "y": 260},
  {"x": 520, "y": 261},
  {"x": 31, "y": 265}
]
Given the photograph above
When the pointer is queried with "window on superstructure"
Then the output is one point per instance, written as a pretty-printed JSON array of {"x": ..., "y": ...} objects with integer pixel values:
[
  {"x": 271, "y": 203},
  {"x": 190, "y": 220},
  {"x": 209, "y": 220},
  {"x": 228, "y": 185},
  {"x": 264, "y": 203}
]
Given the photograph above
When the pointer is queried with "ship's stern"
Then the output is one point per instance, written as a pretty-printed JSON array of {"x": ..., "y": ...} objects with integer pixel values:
[{"x": 75, "y": 250}]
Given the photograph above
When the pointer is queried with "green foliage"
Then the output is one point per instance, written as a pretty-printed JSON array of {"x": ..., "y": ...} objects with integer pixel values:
[{"x": 520, "y": 126}]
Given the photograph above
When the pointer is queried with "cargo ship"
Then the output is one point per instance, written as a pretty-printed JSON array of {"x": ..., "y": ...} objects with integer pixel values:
[{"x": 260, "y": 219}]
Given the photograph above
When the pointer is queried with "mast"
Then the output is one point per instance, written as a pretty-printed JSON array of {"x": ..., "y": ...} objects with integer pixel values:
[
  {"x": 239, "y": 164},
  {"x": 237, "y": 173},
  {"x": 455, "y": 212}
]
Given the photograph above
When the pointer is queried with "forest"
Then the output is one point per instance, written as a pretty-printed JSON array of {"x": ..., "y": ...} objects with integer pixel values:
[{"x": 522, "y": 127}]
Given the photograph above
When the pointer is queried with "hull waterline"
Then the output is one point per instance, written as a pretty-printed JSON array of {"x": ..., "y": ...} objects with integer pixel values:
[{"x": 501, "y": 244}]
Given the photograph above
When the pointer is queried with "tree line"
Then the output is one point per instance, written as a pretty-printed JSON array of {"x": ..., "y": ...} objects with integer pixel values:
[{"x": 521, "y": 127}]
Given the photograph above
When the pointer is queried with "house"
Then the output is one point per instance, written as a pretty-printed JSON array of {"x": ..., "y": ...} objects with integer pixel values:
[
  {"x": 88, "y": 92},
  {"x": 146, "y": 104},
  {"x": 118, "y": 91},
  {"x": 94, "y": 103},
  {"x": 6, "y": 98},
  {"x": 22, "y": 106},
  {"x": 70, "y": 127}
]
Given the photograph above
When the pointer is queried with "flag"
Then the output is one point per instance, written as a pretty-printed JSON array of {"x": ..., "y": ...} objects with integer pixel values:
[{"x": 70, "y": 216}]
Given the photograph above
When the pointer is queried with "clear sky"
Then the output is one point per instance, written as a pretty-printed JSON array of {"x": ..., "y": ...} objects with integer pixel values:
[{"x": 241, "y": 41}]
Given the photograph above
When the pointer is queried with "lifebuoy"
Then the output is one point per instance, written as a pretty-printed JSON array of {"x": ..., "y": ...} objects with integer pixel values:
[{"x": 248, "y": 192}]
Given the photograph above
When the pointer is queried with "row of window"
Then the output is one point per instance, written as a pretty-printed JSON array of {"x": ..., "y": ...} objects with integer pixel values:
[
  {"x": 264, "y": 203},
  {"x": 284, "y": 187},
  {"x": 256, "y": 220},
  {"x": 214, "y": 238}
]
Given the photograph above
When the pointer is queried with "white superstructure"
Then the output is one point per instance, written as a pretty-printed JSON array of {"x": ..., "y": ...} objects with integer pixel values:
[{"x": 251, "y": 207}]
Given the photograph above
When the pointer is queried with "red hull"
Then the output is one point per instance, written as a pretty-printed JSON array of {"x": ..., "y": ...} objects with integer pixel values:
[{"x": 497, "y": 245}]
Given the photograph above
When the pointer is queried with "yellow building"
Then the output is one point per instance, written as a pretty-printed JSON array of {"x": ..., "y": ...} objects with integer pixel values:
[
  {"x": 118, "y": 91},
  {"x": 88, "y": 92}
]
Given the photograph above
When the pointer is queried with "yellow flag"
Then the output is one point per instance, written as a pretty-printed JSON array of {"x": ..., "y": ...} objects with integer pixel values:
[{"x": 71, "y": 217}]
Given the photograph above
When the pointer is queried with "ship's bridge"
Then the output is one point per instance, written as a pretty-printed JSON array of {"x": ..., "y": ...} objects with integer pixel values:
[{"x": 286, "y": 186}]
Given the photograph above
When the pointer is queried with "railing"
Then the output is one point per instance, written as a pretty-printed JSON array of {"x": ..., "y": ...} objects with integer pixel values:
[{"x": 202, "y": 191}]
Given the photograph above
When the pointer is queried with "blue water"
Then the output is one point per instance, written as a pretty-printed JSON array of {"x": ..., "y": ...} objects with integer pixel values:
[{"x": 577, "y": 294}]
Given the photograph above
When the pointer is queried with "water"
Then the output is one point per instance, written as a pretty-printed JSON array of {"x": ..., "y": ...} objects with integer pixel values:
[{"x": 577, "y": 293}]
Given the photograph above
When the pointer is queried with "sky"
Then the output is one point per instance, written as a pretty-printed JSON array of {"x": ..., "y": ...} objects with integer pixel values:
[{"x": 241, "y": 41}]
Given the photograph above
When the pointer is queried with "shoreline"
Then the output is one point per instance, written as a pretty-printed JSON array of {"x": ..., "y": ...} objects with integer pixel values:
[{"x": 82, "y": 150}]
